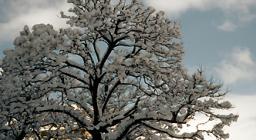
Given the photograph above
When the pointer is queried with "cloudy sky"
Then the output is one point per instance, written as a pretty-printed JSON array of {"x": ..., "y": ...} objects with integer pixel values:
[{"x": 218, "y": 35}]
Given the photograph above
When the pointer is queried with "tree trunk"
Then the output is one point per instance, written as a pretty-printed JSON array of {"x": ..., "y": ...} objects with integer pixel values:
[
  {"x": 21, "y": 136},
  {"x": 96, "y": 135}
]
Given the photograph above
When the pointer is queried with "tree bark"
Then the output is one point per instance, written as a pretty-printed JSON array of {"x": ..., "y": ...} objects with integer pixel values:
[
  {"x": 96, "y": 135},
  {"x": 21, "y": 136}
]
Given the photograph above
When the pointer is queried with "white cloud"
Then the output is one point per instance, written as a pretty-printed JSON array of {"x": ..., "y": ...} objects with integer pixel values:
[
  {"x": 27, "y": 12},
  {"x": 227, "y": 26},
  {"x": 238, "y": 66},
  {"x": 21, "y": 12},
  {"x": 240, "y": 11},
  {"x": 177, "y": 7}
]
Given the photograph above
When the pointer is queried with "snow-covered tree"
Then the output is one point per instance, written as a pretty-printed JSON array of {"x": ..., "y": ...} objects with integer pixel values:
[{"x": 115, "y": 74}]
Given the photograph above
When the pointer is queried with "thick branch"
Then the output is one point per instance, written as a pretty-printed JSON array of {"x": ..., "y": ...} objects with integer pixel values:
[
  {"x": 117, "y": 119},
  {"x": 109, "y": 95},
  {"x": 74, "y": 76},
  {"x": 95, "y": 50},
  {"x": 105, "y": 57},
  {"x": 69, "y": 113},
  {"x": 75, "y": 65}
]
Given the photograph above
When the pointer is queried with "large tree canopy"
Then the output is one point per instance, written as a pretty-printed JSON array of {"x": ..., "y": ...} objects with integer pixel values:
[{"x": 115, "y": 74}]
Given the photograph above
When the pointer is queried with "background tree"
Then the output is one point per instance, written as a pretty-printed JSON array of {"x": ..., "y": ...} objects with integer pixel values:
[{"x": 116, "y": 73}]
